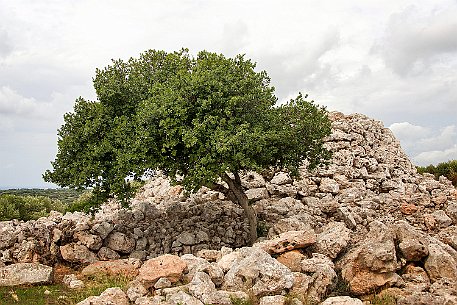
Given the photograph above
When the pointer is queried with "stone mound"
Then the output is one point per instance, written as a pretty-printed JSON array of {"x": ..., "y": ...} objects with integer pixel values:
[{"x": 367, "y": 221}]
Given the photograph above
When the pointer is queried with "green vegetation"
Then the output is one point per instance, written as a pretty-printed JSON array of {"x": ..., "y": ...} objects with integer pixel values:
[
  {"x": 446, "y": 169},
  {"x": 58, "y": 294},
  {"x": 27, "y": 207},
  {"x": 384, "y": 299},
  {"x": 201, "y": 120},
  {"x": 66, "y": 196}
]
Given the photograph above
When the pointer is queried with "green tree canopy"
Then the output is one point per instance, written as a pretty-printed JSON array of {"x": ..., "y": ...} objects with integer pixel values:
[{"x": 204, "y": 119}]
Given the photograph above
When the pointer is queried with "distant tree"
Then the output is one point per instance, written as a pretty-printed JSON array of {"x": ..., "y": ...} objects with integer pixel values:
[
  {"x": 447, "y": 169},
  {"x": 202, "y": 121},
  {"x": 27, "y": 207}
]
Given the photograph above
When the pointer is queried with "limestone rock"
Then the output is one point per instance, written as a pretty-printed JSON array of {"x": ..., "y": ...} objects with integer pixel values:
[
  {"x": 281, "y": 178},
  {"x": 124, "y": 267},
  {"x": 288, "y": 241},
  {"x": 273, "y": 300},
  {"x": 72, "y": 282},
  {"x": 333, "y": 239},
  {"x": 181, "y": 297},
  {"x": 287, "y": 224},
  {"x": 77, "y": 253},
  {"x": 136, "y": 290},
  {"x": 422, "y": 298},
  {"x": 256, "y": 271},
  {"x": 257, "y": 194},
  {"x": 292, "y": 260},
  {"x": 442, "y": 219},
  {"x": 412, "y": 243},
  {"x": 451, "y": 211},
  {"x": 373, "y": 263},
  {"x": 25, "y": 274},
  {"x": 118, "y": 241},
  {"x": 169, "y": 266},
  {"x": 107, "y": 254},
  {"x": 93, "y": 242},
  {"x": 111, "y": 296},
  {"x": 329, "y": 186},
  {"x": 449, "y": 236},
  {"x": 343, "y": 300},
  {"x": 440, "y": 264},
  {"x": 323, "y": 275}
]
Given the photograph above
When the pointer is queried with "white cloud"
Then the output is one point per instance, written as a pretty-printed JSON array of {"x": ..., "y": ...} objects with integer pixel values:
[
  {"x": 436, "y": 156},
  {"x": 425, "y": 145},
  {"x": 394, "y": 60},
  {"x": 406, "y": 130},
  {"x": 416, "y": 37}
]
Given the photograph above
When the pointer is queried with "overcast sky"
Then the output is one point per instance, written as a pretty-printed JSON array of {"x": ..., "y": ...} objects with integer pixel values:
[{"x": 393, "y": 60}]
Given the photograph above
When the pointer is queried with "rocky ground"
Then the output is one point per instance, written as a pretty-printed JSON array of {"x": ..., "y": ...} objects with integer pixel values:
[{"x": 367, "y": 223}]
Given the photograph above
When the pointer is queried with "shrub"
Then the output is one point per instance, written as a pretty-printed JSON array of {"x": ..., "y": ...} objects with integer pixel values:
[
  {"x": 446, "y": 169},
  {"x": 27, "y": 207}
]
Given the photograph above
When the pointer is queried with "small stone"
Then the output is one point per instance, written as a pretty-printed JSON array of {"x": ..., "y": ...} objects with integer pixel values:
[
  {"x": 163, "y": 282},
  {"x": 408, "y": 208}
]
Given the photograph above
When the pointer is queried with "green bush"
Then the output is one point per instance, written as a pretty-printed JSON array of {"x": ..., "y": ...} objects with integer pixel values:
[
  {"x": 27, "y": 207},
  {"x": 446, "y": 169}
]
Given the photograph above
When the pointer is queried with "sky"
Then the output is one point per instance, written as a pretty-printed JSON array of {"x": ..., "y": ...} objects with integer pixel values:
[{"x": 393, "y": 60}]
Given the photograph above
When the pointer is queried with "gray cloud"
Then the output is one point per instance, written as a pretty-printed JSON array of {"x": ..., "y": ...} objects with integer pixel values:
[
  {"x": 413, "y": 41},
  {"x": 382, "y": 58},
  {"x": 5, "y": 46},
  {"x": 426, "y": 145}
]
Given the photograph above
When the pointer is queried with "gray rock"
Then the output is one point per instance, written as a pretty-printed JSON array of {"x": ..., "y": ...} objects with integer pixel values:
[
  {"x": 121, "y": 242},
  {"x": 451, "y": 211},
  {"x": 273, "y": 300},
  {"x": 281, "y": 178},
  {"x": 107, "y": 254},
  {"x": 93, "y": 242},
  {"x": 256, "y": 271},
  {"x": 72, "y": 282},
  {"x": 257, "y": 194},
  {"x": 180, "y": 297},
  {"x": 329, "y": 186},
  {"x": 333, "y": 239},
  {"x": 25, "y": 274},
  {"x": 343, "y": 300},
  {"x": 442, "y": 219},
  {"x": 77, "y": 253},
  {"x": 440, "y": 264},
  {"x": 111, "y": 296},
  {"x": 322, "y": 277},
  {"x": 103, "y": 229}
]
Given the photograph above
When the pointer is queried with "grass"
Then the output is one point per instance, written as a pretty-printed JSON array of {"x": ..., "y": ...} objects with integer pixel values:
[
  {"x": 58, "y": 294},
  {"x": 384, "y": 299}
]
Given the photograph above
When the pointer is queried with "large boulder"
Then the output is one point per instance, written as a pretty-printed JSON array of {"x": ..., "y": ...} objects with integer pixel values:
[
  {"x": 333, "y": 239},
  {"x": 76, "y": 253},
  {"x": 120, "y": 242},
  {"x": 168, "y": 266},
  {"x": 124, "y": 267},
  {"x": 25, "y": 274},
  {"x": 256, "y": 271},
  {"x": 288, "y": 241},
  {"x": 440, "y": 264},
  {"x": 372, "y": 264}
]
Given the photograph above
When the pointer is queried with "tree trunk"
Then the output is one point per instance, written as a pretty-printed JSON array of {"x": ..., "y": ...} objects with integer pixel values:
[{"x": 239, "y": 197}]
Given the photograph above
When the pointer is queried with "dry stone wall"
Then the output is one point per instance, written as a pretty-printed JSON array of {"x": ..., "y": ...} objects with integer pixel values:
[{"x": 368, "y": 179}]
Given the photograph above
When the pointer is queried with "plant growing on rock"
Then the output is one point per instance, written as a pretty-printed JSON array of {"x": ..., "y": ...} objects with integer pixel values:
[{"x": 201, "y": 120}]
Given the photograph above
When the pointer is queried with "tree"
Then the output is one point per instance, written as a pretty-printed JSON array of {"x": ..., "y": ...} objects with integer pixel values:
[{"x": 202, "y": 121}]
